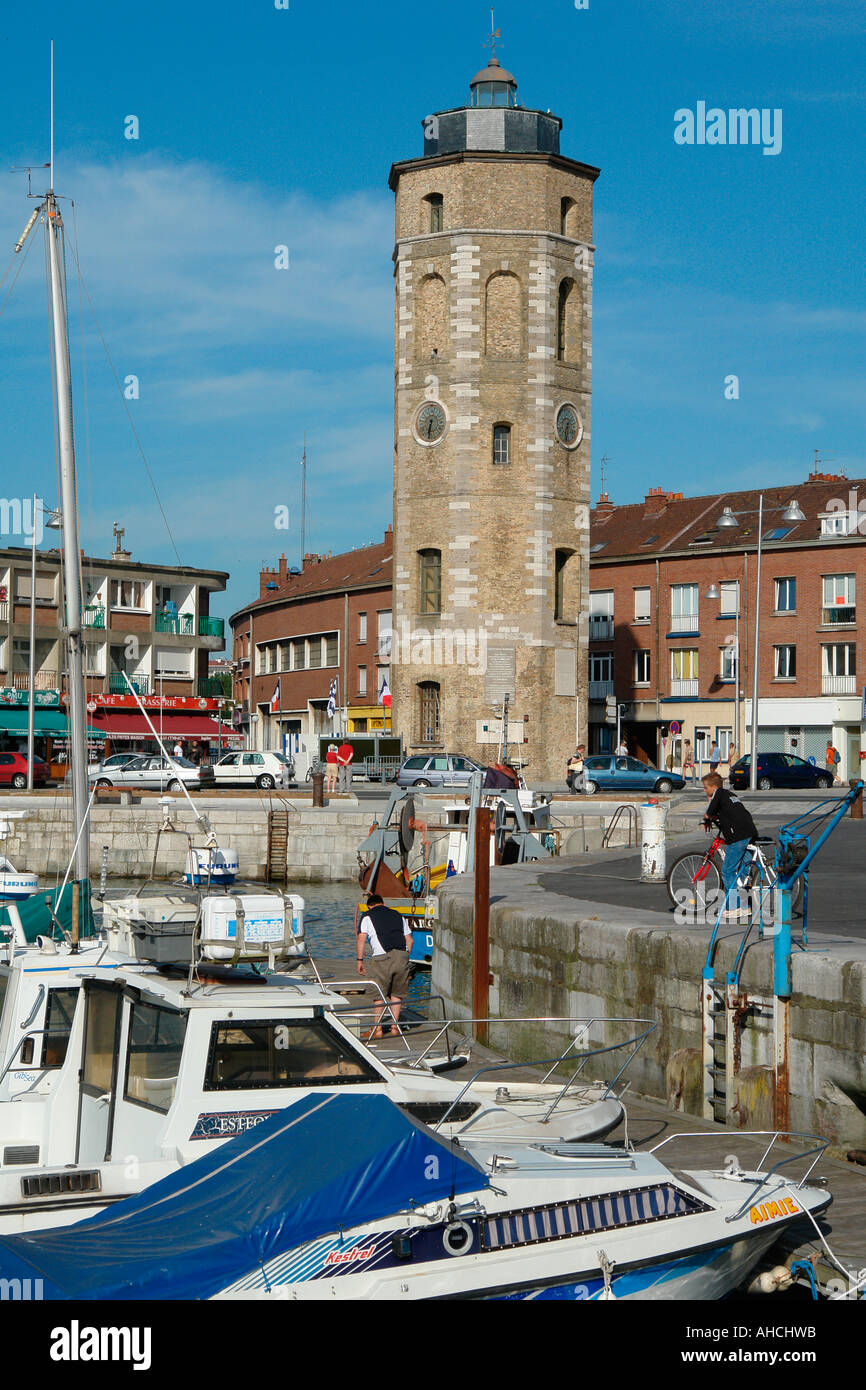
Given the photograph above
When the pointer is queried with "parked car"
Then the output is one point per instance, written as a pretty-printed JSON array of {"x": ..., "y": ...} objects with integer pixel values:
[
  {"x": 263, "y": 770},
  {"x": 116, "y": 760},
  {"x": 13, "y": 770},
  {"x": 437, "y": 770},
  {"x": 153, "y": 772},
  {"x": 779, "y": 770},
  {"x": 610, "y": 772}
]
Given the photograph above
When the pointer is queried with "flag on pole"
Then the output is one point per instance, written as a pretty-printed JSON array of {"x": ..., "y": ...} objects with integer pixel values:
[
  {"x": 385, "y": 693},
  {"x": 332, "y": 700},
  {"x": 275, "y": 699}
]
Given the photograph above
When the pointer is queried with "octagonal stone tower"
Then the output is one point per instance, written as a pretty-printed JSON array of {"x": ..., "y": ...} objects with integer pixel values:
[{"x": 493, "y": 270}]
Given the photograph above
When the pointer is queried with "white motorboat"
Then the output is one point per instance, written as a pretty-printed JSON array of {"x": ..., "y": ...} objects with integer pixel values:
[
  {"x": 342, "y": 1196},
  {"x": 164, "y": 1060}
]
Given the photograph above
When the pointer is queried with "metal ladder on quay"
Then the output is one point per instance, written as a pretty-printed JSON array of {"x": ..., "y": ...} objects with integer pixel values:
[{"x": 278, "y": 844}]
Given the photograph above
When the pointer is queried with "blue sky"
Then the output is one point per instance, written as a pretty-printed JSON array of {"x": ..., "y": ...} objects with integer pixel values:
[{"x": 261, "y": 127}]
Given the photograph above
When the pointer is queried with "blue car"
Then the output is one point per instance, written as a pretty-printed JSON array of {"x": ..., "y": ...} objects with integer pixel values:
[{"x": 609, "y": 772}]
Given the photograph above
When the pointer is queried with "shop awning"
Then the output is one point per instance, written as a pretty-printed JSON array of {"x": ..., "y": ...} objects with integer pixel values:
[
  {"x": 45, "y": 721},
  {"x": 131, "y": 724}
]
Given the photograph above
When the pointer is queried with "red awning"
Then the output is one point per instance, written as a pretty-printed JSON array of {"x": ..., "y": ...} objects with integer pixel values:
[{"x": 131, "y": 724}]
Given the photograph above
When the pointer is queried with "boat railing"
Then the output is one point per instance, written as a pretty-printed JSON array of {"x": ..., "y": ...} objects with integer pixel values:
[
  {"x": 408, "y": 1023},
  {"x": 630, "y": 1045},
  {"x": 761, "y": 1179}
]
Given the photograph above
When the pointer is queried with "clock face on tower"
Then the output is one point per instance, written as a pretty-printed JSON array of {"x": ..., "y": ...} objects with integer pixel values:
[
  {"x": 430, "y": 423},
  {"x": 569, "y": 426}
]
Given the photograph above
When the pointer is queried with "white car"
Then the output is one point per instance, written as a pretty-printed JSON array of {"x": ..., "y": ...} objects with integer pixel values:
[
  {"x": 152, "y": 772},
  {"x": 263, "y": 770}
]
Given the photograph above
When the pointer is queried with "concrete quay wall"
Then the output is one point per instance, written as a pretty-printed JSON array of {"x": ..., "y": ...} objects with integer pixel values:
[
  {"x": 554, "y": 957},
  {"x": 322, "y": 842}
]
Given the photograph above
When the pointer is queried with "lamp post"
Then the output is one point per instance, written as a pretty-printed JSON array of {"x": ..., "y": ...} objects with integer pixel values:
[{"x": 728, "y": 521}]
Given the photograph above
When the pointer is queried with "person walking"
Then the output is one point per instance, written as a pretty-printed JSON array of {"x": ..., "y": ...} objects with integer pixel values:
[
  {"x": 622, "y": 749},
  {"x": 331, "y": 768},
  {"x": 688, "y": 761},
  {"x": 832, "y": 760},
  {"x": 345, "y": 754},
  {"x": 178, "y": 749},
  {"x": 391, "y": 943},
  {"x": 715, "y": 757},
  {"x": 738, "y": 830},
  {"x": 575, "y": 773}
]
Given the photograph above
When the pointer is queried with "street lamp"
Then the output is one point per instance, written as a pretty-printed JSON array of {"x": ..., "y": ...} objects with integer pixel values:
[
  {"x": 728, "y": 521},
  {"x": 713, "y": 592}
]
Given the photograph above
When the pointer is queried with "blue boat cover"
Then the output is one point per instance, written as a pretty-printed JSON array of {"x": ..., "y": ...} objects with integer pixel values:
[
  {"x": 36, "y": 920},
  {"x": 327, "y": 1163}
]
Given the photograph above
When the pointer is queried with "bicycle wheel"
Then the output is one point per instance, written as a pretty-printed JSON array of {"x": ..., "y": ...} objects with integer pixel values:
[{"x": 691, "y": 879}]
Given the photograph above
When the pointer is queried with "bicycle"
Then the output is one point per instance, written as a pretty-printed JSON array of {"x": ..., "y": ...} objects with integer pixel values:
[{"x": 695, "y": 880}]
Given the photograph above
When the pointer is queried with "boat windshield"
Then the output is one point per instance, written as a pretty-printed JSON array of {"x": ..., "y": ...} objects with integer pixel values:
[{"x": 257, "y": 1053}]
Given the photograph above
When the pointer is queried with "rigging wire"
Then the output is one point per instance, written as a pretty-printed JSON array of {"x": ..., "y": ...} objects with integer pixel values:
[{"x": 150, "y": 476}]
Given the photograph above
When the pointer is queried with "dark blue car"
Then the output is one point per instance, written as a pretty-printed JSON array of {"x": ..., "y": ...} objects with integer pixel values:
[
  {"x": 780, "y": 770},
  {"x": 611, "y": 772}
]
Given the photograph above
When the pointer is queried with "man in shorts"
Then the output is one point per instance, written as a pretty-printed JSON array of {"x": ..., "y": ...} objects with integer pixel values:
[{"x": 391, "y": 942}]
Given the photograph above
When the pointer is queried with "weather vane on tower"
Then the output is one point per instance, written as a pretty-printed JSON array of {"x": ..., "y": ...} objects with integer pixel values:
[{"x": 494, "y": 35}]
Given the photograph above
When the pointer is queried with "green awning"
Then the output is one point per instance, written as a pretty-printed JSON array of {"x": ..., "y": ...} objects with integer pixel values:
[{"x": 45, "y": 721}]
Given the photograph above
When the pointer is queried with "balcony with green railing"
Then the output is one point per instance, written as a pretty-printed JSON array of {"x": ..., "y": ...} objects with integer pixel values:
[
  {"x": 182, "y": 624},
  {"x": 211, "y": 627},
  {"x": 215, "y": 687},
  {"x": 117, "y": 684}
]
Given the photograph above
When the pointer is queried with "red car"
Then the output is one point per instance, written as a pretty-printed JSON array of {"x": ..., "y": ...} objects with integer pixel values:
[{"x": 13, "y": 770}]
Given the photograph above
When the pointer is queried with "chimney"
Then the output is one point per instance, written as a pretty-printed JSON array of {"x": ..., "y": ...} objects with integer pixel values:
[
  {"x": 604, "y": 506},
  {"x": 284, "y": 573},
  {"x": 827, "y": 478},
  {"x": 655, "y": 502},
  {"x": 311, "y": 560}
]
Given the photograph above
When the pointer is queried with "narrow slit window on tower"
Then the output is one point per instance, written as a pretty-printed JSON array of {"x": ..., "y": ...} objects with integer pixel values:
[
  {"x": 501, "y": 443},
  {"x": 565, "y": 207},
  {"x": 561, "y": 559},
  {"x": 428, "y": 712},
  {"x": 561, "y": 319},
  {"x": 431, "y": 581},
  {"x": 435, "y": 204}
]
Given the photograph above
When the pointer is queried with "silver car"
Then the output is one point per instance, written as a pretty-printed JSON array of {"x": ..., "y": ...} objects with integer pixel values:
[
  {"x": 437, "y": 770},
  {"x": 153, "y": 772}
]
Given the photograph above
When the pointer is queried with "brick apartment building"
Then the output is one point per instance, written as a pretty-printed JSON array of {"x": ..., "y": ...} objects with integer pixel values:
[
  {"x": 668, "y": 652},
  {"x": 150, "y": 622},
  {"x": 326, "y": 622}
]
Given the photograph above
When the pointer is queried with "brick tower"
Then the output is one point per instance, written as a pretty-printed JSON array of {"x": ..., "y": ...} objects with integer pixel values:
[{"x": 492, "y": 379}]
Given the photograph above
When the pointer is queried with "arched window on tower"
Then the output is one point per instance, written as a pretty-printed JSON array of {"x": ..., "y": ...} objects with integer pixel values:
[
  {"x": 431, "y": 335},
  {"x": 568, "y": 322},
  {"x": 501, "y": 443},
  {"x": 428, "y": 712},
  {"x": 567, "y": 216},
  {"x": 432, "y": 211},
  {"x": 430, "y": 581},
  {"x": 503, "y": 317}
]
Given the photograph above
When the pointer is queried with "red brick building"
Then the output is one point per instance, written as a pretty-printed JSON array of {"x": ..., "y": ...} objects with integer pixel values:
[
  {"x": 668, "y": 652},
  {"x": 307, "y": 629}
]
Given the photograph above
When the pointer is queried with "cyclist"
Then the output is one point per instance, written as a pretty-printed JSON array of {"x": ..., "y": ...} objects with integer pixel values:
[{"x": 737, "y": 828}]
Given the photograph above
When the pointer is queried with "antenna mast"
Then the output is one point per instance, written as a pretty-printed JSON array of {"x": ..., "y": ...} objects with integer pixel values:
[{"x": 51, "y": 133}]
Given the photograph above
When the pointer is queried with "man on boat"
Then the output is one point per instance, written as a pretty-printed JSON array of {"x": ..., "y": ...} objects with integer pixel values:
[{"x": 391, "y": 942}]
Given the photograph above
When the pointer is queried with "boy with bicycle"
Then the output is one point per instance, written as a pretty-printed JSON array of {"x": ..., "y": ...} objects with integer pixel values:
[{"x": 737, "y": 829}]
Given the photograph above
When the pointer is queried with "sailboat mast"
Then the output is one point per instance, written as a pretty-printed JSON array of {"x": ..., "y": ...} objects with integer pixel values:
[{"x": 76, "y": 709}]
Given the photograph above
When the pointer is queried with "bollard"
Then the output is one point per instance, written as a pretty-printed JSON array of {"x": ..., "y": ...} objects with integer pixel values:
[
  {"x": 653, "y": 865},
  {"x": 856, "y": 806},
  {"x": 481, "y": 925},
  {"x": 318, "y": 788}
]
